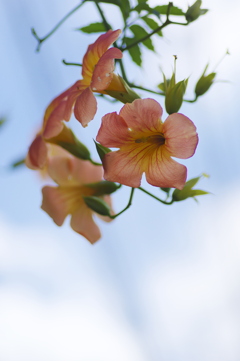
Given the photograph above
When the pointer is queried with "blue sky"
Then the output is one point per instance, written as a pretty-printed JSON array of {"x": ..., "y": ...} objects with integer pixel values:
[{"x": 163, "y": 282}]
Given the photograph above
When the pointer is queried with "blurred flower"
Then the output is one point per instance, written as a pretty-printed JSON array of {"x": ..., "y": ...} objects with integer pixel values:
[
  {"x": 97, "y": 73},
  {"x": 40, "y": 149},
  {"x": 146, "y": 145},
  {"x": 76, "y": 179}
]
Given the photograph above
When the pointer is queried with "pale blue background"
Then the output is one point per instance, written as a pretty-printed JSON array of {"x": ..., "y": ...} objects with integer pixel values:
[{"x": 163, "y": 283}]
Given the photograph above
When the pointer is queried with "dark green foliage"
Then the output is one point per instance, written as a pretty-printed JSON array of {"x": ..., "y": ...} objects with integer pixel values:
[
  {"x": 93, "y": 28},
  {"x": 152, "y": 24},
  {"x": 97, "y": 205},
  {"x": 139, "y": 33},
  {"x": 101, "y": 150},
  {"x": 135, "y": 51},
  {"x": 163, "y": 10}
]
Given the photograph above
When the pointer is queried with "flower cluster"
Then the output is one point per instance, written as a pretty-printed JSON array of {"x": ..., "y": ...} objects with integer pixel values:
[{"x": 145, "y": 144}]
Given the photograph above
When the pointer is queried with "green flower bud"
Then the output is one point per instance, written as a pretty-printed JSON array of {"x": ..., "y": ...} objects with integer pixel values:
[
  {"x": 103, "y": 187},
  {"x": 187, "y": 191},
  {"x": 204, "y": 83},
  {"x": 77, "y": 149},
  {"x": 68, "y": 141},
  {"x": 174, "y": 96},
  {"x": 97, "y": 205},
  {"x": 195, "y": 11},
  {"x": 125, "y": 94}
]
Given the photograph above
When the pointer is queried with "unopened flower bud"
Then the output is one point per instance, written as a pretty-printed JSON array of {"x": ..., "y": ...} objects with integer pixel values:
[
  {"x": 68, "y": 141},
  {"x": 103, "y": 187},
  {"x": 204, "y": 83},
  {"x": 187, "y": 191},
  {"x": 97, "y": 205},
  {"x": 125, "y": 94},
  {"x": 195, "y": 11},
  {"x": 174, "y": 96}
]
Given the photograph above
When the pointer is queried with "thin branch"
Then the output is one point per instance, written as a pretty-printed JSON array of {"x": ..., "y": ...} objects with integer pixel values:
[
  {"x": 41, "y": 40},
  {"x": 104, "y": 20},
  {"x": 66, "y": 63},
  {"x": 127, "y": 206},
  {"x": 153, "y": 196}
]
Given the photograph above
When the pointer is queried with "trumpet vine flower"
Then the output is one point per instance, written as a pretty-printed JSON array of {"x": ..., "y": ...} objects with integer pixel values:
[
  {"x": 146, "y": 145},
  {"x": 97, "y": 76},
  {"x": 40, "y": 149},
  {"x": 74, "y": 178}
]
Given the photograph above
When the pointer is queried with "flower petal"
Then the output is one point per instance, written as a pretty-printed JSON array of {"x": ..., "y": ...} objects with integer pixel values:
[
  {"x": 142, "y": 115},
  {"x": 71, "y": 171},
  {"x": 113, "y": 131},
  {"x": 55, "y": 114},
  {"x": 37, "y": 154},
  {"x": 163, "y": 171},
  {"x": 102, "y": 74},
  {"x": 54, "y": 204},
  {"x": 120, "y": 168},
  {"x": 82, "y": 222},
  {"x": 85, "y": 107},
  {"x": 54, "y": 124},
  {"x": 180, "y": 134},
  {"x": 96, "y": 50}
]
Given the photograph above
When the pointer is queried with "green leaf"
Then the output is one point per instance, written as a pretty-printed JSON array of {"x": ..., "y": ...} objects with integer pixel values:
[
  {"x": 174, "y": 10},
  {"x": 192, "y": 182},
  {"x": 114, "y": 2},
  {"x": 142, "y": 6},
  {"x": 198, "y": 192},
  {"x": 101, "y": 150},
  {"x": 140, "y": 33},
  {"x": 135, "y": 51},
  {"x": 78, "y": 149},
  {"x": 152, "y": 24},
  {"x": 125, "y": 8},
  {"x": 93, "y": 28},
  {"x": 97, "y": 205}
]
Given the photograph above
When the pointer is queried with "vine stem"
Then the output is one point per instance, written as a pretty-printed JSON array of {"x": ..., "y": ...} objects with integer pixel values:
[
  {"x": 41, "y": 40},
  {"x": 67, "y": 63},
  {"x": 105, "y": 23},
  {"x": 153, "y": 196},
  {"x": 127, "y": 206},
  {"x": 166, "y": 23}
]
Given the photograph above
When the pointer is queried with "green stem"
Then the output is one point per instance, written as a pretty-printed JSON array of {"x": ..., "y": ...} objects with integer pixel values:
[
  {"x": 166, "y": 23},
  {"x": 66, "y": 63},
  {"x": 104, "y": 20},
  {"x": 132, "y": 85},
  {"x": 153, "y": 196},
  {"x": 122, "y": 70},
  {"x": 191, "y": 101},
  {"x": 127, "y": 206},
  {"x": 41, "y": 40}
]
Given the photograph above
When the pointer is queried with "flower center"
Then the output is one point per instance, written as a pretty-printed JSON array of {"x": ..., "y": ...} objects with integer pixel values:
[{"x": 153, "y": 139}]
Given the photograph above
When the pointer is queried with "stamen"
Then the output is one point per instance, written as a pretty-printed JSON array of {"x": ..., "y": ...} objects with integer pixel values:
[{"x": 154, "y": 139}]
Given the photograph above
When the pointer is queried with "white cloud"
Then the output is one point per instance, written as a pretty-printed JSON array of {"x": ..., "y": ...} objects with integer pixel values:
[
  {"x": 56, "y": 306},
  {"x": 194, "y": 295}
]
